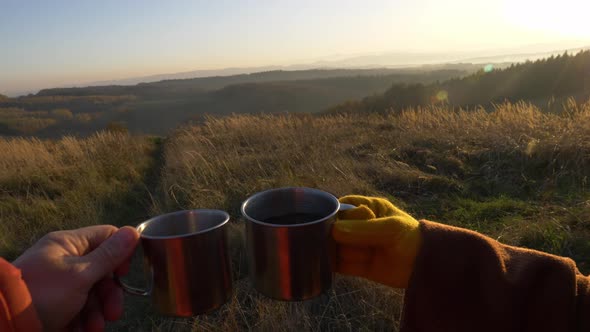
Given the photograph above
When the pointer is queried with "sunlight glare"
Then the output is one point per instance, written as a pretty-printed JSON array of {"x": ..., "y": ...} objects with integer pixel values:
[
  {"x": 442, "y": 96},
  {"x": 566, "y": 18}
]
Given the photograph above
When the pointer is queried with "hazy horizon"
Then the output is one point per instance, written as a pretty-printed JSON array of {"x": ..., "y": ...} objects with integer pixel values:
[{"x": 69, "y": 43}]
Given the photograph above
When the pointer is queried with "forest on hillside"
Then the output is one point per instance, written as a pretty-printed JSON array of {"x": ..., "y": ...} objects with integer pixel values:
[{"x": 541, "y": 82}]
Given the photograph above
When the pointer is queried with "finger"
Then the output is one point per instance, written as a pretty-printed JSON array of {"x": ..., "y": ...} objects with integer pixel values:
[
  {"x": 110, "y": 254},
  {"x": 123, "y": 269},
  {"x": 111, "y": 297},
  {"x": 369, "y": 232},
  {"x": 380, "y": 206},
  {"x": 361, "y": 212},
  {"x": 93, "y": 319},
  {"x": 87, "y": 239},
  {"x": 353, "y": 254}
]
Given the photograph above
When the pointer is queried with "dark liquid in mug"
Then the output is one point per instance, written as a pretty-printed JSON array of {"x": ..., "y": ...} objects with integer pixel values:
[{"x": 293, "y": 219}]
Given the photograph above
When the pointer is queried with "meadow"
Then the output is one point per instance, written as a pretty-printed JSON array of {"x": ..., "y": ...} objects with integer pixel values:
[{"x": 513, "y": 172}]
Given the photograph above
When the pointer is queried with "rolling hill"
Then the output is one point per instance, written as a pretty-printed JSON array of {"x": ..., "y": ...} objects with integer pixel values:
[{"x": 157, "y": 108}]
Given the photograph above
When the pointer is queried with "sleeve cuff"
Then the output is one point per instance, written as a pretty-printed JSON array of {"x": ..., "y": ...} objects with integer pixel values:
[{"x": 17, "y": 312}]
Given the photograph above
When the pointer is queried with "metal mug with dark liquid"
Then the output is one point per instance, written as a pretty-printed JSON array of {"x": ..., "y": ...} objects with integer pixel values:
[
  {"x": 289, "y": 243},
  {"x": 186, "y": 261}
]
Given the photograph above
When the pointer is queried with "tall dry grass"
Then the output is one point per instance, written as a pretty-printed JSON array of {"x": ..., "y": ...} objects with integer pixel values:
[
  {"x": 516, "y": 150},
  {"x": 67, "y": 183},
  {"x": 515, "y": 173}
]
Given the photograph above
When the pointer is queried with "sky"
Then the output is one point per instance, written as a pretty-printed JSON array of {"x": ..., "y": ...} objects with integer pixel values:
[{"x": 59, "y": 42}]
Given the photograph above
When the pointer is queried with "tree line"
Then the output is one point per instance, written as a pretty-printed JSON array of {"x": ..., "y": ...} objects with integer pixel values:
[{"x": 552, "y": 78}]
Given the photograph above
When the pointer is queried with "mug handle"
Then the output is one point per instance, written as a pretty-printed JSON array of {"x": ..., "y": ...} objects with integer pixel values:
[{"x": 130, "y": 290}]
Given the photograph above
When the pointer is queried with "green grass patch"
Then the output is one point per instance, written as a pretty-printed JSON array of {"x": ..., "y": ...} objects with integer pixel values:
[{"x": 468, "y": 211}]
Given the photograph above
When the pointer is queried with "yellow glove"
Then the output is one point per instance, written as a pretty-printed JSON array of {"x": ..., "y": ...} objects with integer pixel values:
[{"x": 376, "y": 240}]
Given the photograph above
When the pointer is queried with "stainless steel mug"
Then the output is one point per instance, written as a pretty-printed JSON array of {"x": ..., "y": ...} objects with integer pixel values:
[
  {"x": 289, "y": 243},
  {"x": 186, "y": 262}
]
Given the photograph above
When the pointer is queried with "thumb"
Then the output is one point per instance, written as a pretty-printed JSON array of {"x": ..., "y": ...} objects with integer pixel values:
[
  {"x": 373, "y": 232},
  {"x": 361, "y": 212},
  {"x": 110, "y": 254}
]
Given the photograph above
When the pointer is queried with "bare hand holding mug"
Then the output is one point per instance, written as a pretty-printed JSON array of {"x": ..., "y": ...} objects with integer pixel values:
[{"x": 69, "y": 276}]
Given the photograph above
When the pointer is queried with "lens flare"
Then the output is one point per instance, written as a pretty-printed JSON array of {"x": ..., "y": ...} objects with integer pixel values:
[
  {"x": 488, "y": 68},
  {"x": 442, "y": 95}
]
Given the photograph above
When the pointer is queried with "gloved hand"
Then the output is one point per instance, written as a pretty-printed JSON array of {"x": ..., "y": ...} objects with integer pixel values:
[{"x": 376, "y": 240}]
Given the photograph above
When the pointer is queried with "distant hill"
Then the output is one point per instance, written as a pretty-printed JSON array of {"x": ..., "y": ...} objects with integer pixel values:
[
  {"x": 366, "y": 60},
  {"x": 309, "y": 95},
  {"x": 540, "y": 81},
  {"x": 378, "y": 60},
  {"x": 156, "y": 108},
  {"x": 184, "y": 87},
  {"x": 523, "y": 57}
]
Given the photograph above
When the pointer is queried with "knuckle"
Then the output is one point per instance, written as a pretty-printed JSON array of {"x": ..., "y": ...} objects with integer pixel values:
[
  {"x": 57, "y": 237},
  {"x": 52, "y": 236}
]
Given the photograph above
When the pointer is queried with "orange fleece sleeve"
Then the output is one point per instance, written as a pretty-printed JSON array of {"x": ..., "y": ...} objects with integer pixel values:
[
  {"x": 464, "y": 281},
  {"x": 17, "y": 312}
]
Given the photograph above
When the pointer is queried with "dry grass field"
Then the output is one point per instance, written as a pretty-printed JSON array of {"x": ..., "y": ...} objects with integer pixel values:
[
  {"x": 515, "y": 173},
  {"x": 67, "y": 183}
]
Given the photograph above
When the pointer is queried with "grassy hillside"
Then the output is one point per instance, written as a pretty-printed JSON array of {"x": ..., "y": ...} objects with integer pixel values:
[
  {"x": 515, "y": 173},
  {"x": 458, "y": 167},
  {"x": 69, "y": 183}
]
